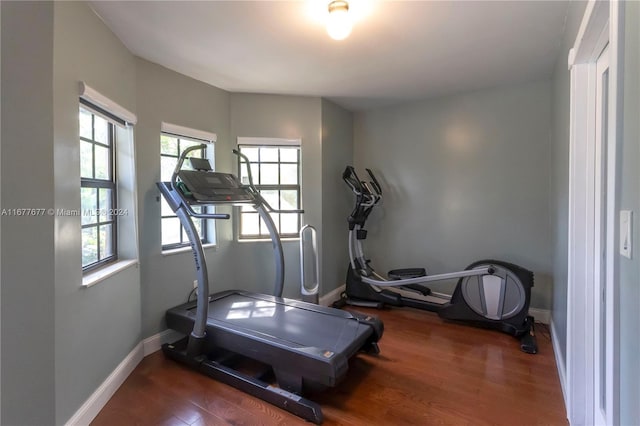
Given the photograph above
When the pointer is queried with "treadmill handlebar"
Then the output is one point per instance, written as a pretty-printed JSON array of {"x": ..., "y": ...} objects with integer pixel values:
[
  {"x": 183, "y": 156},
  {"x": 170, "y": 195},
  {"x": 174, "y": 186}
]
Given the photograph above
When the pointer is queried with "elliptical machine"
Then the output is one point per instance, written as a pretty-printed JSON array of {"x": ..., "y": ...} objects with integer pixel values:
[{"x": 489, "y": 293}]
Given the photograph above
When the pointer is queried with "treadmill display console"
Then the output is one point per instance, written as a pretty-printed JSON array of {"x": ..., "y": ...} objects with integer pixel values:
[{"x": 215, "y": 187}]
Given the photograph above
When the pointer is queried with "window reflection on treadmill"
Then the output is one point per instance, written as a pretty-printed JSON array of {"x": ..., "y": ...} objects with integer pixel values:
[{"x": 257, "y": 309}]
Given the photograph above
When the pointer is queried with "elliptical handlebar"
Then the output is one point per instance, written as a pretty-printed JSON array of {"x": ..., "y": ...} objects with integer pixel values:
[
  {"x": 351, "y": 178},
  {"x": 368, "y": 194},
  {"x": 374, "y": 182}
]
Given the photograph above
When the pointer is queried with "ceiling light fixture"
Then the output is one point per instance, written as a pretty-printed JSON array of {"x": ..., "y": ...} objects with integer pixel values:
[{"x": 339, "y": 23}]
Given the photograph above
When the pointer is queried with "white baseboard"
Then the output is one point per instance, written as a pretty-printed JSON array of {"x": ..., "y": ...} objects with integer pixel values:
[
  {"x": 560, "y": 365},
  {"x": 541, "y": 315},
  {"x": 332, "y": 296},
  {"x": 92, "y": 406},
  {"x": 155, "y": 342},
  {"x": 99, "y": 398}
]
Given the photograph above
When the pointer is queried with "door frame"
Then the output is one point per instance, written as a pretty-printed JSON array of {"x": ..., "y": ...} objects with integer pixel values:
[{"x": 603, "y": 22}]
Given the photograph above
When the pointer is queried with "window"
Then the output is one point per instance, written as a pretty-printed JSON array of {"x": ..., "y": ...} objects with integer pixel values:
[
  {"x": 98, "y": 188},
  {"x": 171, "y": 147},
  {"x": 275, "y": 169}
]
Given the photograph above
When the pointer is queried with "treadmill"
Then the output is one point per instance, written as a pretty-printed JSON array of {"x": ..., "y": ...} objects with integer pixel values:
[{"x": 270, "y": 347}]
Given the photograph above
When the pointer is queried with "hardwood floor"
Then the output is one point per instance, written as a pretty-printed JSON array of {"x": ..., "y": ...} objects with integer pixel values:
[{"x": 428, "y": 372}]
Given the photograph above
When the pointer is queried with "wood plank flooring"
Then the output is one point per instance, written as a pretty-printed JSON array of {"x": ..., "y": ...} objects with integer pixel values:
[{"x": 428, "y": 372}]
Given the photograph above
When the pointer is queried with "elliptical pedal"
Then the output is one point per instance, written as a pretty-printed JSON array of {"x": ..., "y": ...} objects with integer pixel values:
[{"x": 528, "y": 341}]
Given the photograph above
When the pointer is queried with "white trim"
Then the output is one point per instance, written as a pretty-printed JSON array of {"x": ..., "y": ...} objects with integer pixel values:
[
  {"x": 541, "y": 315},
  {"x": 616, "y": 132},
  {"x": 98, "y": 99},
  {"x": 580, "y": 248},
  {"x": 154, "y": 343},
  {"x": 94, "y": 277},
  {"x": 188, "y": 132},
  {"x": 332, "y": 296},
  {"x": 98, "y": 399},
  {"x": 185, "y": 249},
  {"x": 268, "y": 141},
  {"x": 581, "y": 395},
  {"x": 562, "y": 374},
  {"x": 584, "y": 48}
]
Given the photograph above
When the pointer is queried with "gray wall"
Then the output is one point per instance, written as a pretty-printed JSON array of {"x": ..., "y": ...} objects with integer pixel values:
[
  {"x": 164, "y": 95},
  {"x": 560, "y": 176},
  {"x": 337, "y": 200},
  {"x": 289, "y": 117},
  {"x": 95, "y": 327},
  {"x": 465, "y": 178},
  {"x": 28, "y": 378},
  {"x": 629, "y": 199}
]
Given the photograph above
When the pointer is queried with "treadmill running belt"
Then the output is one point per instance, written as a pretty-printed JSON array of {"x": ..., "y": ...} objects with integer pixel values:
[{"x": 297, "y": 325}]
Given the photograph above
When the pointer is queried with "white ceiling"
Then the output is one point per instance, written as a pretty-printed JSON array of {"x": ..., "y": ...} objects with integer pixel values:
[{"x": 398, "y": 50}]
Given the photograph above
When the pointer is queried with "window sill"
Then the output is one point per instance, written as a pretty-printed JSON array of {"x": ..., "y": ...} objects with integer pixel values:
[
  {"x": 102, "y": 274},
  {"x": 185, "y": 249},
  {"x": 266, "y": 240}
]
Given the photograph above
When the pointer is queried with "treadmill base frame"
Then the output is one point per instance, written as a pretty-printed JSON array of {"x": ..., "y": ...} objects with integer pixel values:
[{"x": 295, "y": 404}]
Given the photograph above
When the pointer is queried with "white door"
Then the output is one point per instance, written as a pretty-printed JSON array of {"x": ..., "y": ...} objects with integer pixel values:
[{"x": 602, "y": 320}]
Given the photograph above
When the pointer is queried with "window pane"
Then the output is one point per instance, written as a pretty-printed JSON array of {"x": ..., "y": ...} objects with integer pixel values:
[
  {"x": 106, "y": 241},
  {"x": 277, "y": 166},
  {"x": 184, "y": 144},
  {"x": 88, "y": 205},
  {"x": 104, "y": 204},
  {"x": 289, "y": 174},
  {"x": 271, "y": 196},
  {"x": 264, "y": 231},
  {"x": 170, "y": 231},
  {"x": 101, "y": 129},
  {"x": 165, "y": 210},
  {"x": 276, "y": 221},
  {"x": 250, "y": 152},
  {"x": 289, "y": 200},
  {"x": 289, "y": 155},
  {"x": 102, "y": 162},
  {"x": 269, "y": 154},
  {"x": 168, "y": 145},
  {"x": 249, "y": 224},
  {"x": 85, "y": 124},
  {"x": 255, "y": 173},
  {"x": 289, "y": 223},
  {"x": 167, "y": 164},
  {"x": 243, "y": 174},
  {"x": 268, "y": 174},
  {"x": 198, "y": 224},
  {"x": 89, "y": 246},
  {"x": 86, "y": 159}
]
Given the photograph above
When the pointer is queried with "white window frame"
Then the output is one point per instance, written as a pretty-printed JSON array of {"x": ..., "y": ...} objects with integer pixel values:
[
  {"x": 271, "y": 142},
  {"x": 97, "y": 219},
  {"x": 127, "y": 250},
  {"x": 178, "y": 131}
]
